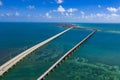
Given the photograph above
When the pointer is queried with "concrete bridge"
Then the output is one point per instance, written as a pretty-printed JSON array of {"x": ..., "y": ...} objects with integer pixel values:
[
  {"x": 9, "y": 64},
  {"x": 42, "y": 77}
]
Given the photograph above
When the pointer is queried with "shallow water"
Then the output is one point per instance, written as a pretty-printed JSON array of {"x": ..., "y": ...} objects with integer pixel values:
[
  {"x": 35, "y": 64},
  {"x": 97, "y": 59},
  {"x": 17, "y": 37}
]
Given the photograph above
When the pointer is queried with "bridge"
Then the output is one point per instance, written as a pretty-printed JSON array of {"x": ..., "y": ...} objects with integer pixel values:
[
  {"x": 9, "y": 64},
  {"x": 42, "y": 77}
]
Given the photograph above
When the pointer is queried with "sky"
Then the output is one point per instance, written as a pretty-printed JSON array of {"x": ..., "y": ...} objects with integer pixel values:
[{"x": 60, "y": 11}]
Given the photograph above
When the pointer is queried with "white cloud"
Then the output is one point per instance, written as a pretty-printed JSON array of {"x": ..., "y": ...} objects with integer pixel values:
[
  {"x": 82, "y": 12},
  {"x": 67, "y": 14},
  {"x": 48, "y": 15},
  {"x": 31, "y": 7},
  {"x": 61, "y": 9},
  {"x": 1, "y": 3},
  {"x": 17, "y": 14},
  {"x": 59, "y": 1},
  {"x": 99, "y": 6},
  {"x": 112, "y": 9},
  {"x": 101, "y": 17},
  {"x": 64, "y": 12},
  {"x": 114, "y": 15},
  {"x": 100, "y": 14},
  {"x": 72, "y": 10}
]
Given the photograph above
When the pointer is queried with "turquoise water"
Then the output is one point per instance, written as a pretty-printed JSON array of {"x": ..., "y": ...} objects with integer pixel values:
[
  {"x": 35, "y": 64},
  {"x": 104, "y": 27},
  {"x": 97, "y": 59},
  {"x": 17, "y": 37},
  {"x": 104, "y": 46}
]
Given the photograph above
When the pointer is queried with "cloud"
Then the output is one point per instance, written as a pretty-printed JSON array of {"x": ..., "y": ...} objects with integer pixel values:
[
  {"x": 48, "y": 15},
  {"x": 64, "y": 12},
  {"x": 100, "y": 14},
  {"x": 8, "y": 14},
  {"x": 61, "y": 9},
  {"x": 82, "y": 12},
  {"x": 102, "y": 17},
  {"x": 68, "y": 14},
  {"x": 31, "y": 7},
  {"x": 112, "y": 9},
  {"x": 99, "y": 6},
  {"x": 59, "y": 1},
  {"x": 11, "y": 14},
  {"x": 17, "y": 14},
  {"x": 1, "y": 3},
  {"x": 115, "y": 15},
  {"x": 72, "y": 10}
]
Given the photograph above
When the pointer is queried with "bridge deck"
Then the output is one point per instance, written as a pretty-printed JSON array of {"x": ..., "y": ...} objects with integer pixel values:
[
  {"x": 64, "y": 56},
  {"x": 6, "y": 66}
]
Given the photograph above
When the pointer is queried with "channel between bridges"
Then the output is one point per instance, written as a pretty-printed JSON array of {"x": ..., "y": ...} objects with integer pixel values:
[
  {"x": 9, "y": 64},
  {"x": 42, "y": 77}
]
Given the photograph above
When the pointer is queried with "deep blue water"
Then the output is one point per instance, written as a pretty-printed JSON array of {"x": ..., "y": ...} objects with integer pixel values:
[{"x": 103, "y": 48}]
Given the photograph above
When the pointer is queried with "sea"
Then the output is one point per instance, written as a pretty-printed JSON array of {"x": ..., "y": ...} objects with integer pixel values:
[{"x": 96, "y": 59}]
